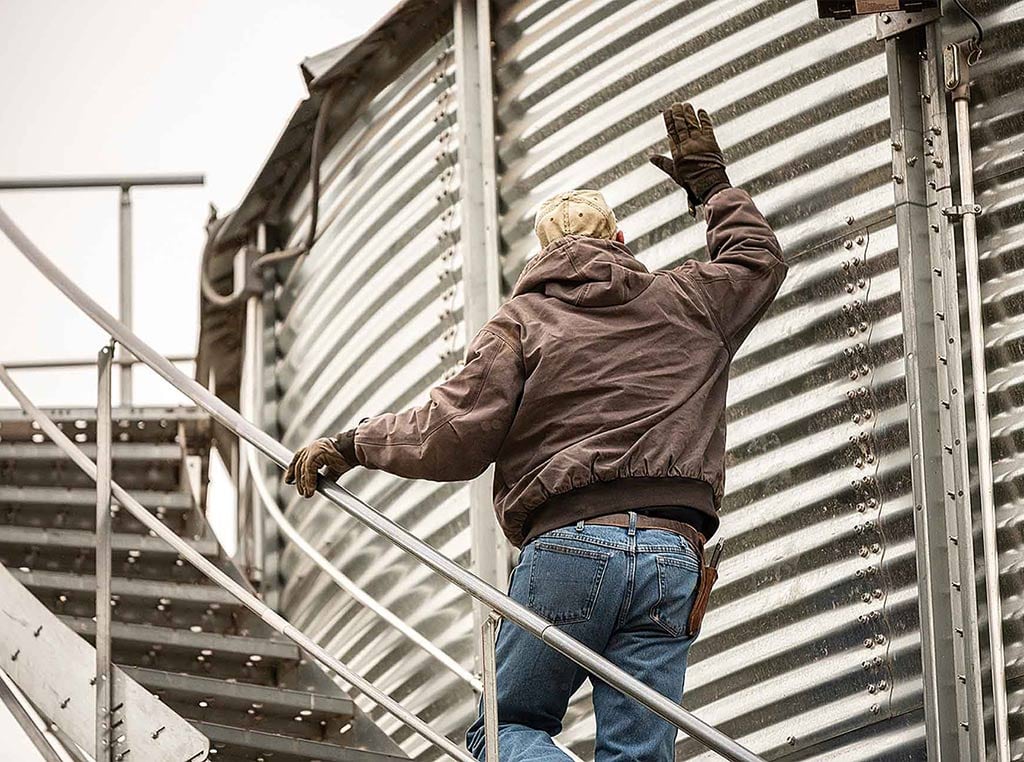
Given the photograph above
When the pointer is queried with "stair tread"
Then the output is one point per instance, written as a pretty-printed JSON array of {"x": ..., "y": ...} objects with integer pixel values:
[
  {"x": 67, "y": 496},
  {"x": 168, "y": 637},
  {"x": 292, "y": 748},
  {"x": 80, "y": 538},
  {"x": 288, "y": 701},
  {"x": 187, "y": 592},
  {"x": 121, "y": 451}
]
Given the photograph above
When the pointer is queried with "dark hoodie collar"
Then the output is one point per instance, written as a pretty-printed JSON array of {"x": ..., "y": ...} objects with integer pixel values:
[{"x": 586, "y": 272}]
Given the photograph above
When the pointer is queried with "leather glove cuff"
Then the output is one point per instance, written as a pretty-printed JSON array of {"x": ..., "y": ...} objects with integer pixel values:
[
  {"x": 707, "y": 183},
  {"x": 345, "y": 444}
]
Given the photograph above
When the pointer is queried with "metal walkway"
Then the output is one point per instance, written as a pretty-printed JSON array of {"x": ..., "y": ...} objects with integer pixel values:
[{"x": 176, "y": 634}]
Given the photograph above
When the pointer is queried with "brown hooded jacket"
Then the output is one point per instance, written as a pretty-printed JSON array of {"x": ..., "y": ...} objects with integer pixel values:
[{"x": 599, "y": 386}]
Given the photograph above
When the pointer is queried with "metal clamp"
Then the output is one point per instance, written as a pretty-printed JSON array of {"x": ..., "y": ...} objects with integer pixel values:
[{"x": 956, "y": 212}]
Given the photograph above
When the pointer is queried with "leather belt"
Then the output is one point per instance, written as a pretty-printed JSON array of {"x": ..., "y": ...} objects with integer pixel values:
[{"x": 653, "y": 522}]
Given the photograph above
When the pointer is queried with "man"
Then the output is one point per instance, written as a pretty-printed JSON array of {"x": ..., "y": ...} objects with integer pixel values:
[{"x": 598, "y": 390}]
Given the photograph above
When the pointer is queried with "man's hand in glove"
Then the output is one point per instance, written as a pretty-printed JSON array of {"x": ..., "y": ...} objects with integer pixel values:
[
  {"x": 335, "y": 454},
  {"x": 697, "y": 163}
]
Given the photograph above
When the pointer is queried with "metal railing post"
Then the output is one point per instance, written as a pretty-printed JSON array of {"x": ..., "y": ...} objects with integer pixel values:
[
  {"x": 488, "y": 634},
  {"x": 104, "y": 747},
  {"x": 125, "y": 183},
  {"x": 124, "y": 270}
]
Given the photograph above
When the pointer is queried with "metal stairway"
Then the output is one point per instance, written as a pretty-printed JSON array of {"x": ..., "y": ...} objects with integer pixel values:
[{"x": 189, "y": 642}]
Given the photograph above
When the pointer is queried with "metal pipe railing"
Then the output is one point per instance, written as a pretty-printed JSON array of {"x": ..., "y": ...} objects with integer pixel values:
[
  {"x": 220, "y": 578},
  {"x": 490, "y": 596},
  {"x": 83, "y": 362},
  {"x": 346, "y": 584},
  {"x": 979, "y": 383}
]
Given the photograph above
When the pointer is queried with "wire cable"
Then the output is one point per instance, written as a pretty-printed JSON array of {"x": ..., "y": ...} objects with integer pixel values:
[{"x": 974, "y": 44}]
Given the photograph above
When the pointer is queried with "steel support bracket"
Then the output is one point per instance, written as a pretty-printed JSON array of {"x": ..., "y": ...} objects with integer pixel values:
[{"x": 892, "y": 23}]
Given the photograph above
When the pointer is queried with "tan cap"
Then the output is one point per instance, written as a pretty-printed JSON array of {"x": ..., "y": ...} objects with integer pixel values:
[{"x": 577, "y": 212}]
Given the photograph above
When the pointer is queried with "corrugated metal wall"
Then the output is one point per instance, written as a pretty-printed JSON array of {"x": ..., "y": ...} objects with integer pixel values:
[
  {"x": 997, "y": 131},
  {"x": 814, "y": 631},
  {"x": 373, "y": 321},
  {"x": 812, "y": 647}
]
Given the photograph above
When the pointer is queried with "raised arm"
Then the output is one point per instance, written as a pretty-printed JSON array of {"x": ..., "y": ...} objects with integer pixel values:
[{"x": 746, "y": 269}]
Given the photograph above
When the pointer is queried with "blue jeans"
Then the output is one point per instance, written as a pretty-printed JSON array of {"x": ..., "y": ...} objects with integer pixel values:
[{"x": 625, "y": 593}]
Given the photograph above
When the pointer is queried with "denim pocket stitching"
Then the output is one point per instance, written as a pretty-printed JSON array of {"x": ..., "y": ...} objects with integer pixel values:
[
  {"x": 587, "y": 610},
  {"x": 654, "y": 613}
]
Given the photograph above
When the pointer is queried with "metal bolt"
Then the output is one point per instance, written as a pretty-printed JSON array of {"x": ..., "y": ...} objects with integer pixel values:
[
  {"x": 897, "y": 179},
  {"x": 886, "y": 18},
  {"x": 849, "y": 220},
  {"x": 847, "y": 244},
  {"x": 883, "y": 685},
  {"x": 869, "y": 643},
  {"x": 874, "y": 709}
]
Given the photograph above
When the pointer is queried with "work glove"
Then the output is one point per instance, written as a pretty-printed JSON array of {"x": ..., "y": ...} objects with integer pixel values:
[
  {"x": 335, "y": 454},
  {"x": 697, "y": 163}
]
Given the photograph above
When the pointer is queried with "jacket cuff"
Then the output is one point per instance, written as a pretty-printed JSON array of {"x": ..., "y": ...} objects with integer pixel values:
[{"x": 345, "y": 444}]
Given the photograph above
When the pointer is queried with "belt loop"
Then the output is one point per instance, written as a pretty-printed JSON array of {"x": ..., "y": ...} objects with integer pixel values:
[
  {"x": 579, "y": 525},
  {"x": 632, "y": 523}
]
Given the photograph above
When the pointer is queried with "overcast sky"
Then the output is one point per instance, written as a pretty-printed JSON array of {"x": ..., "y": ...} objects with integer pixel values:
[{"x": 105, "y": 87}]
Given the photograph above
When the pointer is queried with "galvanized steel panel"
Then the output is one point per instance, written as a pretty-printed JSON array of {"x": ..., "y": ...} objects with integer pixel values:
[
  {"x": 811, "y": 646},
  {"x": 370, "y": 322}
]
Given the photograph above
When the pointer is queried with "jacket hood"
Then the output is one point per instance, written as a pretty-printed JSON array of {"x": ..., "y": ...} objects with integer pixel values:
[{"x": 585, "y": 272}]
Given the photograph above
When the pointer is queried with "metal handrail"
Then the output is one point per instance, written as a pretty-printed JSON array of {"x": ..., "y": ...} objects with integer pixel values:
[
  {"x": 346, "y": 584},
  {"x": 222, "y": 580},
  {"x": 490, "y": 596}
]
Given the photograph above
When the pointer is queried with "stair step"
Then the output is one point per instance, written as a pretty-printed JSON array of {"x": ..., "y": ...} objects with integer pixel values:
[
  {"x": 240, "y": 743},
  {"x": 314, "y": 716},
  {"x": 121, "y": 542},
  {"x": 54, "y": 498},
  {"x": 203, "y": 652},
  {"x": 154, "y": 466},
  {"x": 137, "y": 556},
  {"x": 148, "y": 424},
  {"x": 159, "y": 602},
  {"x": 120, "y": 451}
]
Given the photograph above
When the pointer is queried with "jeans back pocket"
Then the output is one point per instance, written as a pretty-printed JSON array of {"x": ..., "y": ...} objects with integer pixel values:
[
  {"x": 565, "y": 581},
  {"x": 677, "y": 587}
]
